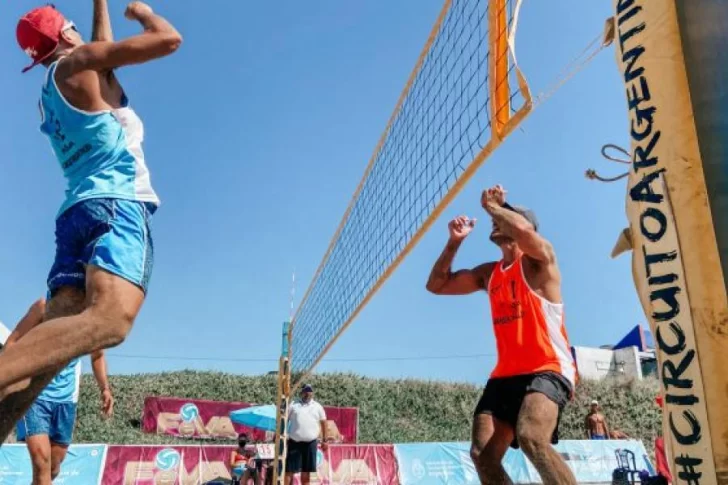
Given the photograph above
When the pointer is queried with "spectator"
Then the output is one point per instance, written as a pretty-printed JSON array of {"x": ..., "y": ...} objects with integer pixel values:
[
  {"x": 307, "y": 421},
  {"x": 596, "y": 424},
  {"x": 618, "y": 434},
  {"x": 242, "y": 463}
]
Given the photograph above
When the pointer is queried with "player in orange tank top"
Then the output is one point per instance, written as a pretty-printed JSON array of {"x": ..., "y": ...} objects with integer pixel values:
[{"x": 535, "y": 373}]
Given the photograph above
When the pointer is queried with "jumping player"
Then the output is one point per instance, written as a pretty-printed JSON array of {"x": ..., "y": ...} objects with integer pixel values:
[
  {"x": 104, "y": 246},
  {"x": 47, "y": 427},
  {"x": 535, "y": 373}
]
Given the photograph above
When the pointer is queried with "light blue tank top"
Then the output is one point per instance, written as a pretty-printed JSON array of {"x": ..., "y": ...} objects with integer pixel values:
[
  {"x": 65, "y": 386},
  {"x": 99, "y": 152}
]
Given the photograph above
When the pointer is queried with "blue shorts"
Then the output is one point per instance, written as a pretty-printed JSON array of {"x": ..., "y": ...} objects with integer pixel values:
[
  {"x": 113, "y": 234},
  {"x": 54, "y": 419},
  {"x": 598, "y": 437}
]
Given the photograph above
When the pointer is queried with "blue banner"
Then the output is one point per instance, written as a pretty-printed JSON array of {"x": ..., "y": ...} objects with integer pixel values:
[
  {"x": 450, "y": 463},
  {"x": 83, "y": 465}
]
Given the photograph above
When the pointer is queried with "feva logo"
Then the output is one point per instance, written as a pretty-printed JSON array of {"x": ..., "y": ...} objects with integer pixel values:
[{"x": 188, "y": 423}]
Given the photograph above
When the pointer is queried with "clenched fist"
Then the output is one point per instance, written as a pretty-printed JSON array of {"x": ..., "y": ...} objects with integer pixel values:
[
  {"x": 460, "y": 227},
  {"x": 138, "y": 11}
]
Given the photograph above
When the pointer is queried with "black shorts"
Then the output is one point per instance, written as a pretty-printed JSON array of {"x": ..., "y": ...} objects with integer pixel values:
[
  {"x": 301, "y": 456},
  {"x": 503, "y": 396}
]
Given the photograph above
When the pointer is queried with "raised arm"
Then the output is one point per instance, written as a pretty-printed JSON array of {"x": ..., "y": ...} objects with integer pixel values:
[
  {"x": 517, "y": 227},
  {"x": 98, "y": 364},
  {"x": 102, "y": 23},
  {"x": 442, "y": 280},
  {"x": 32, "y": 318},
  {"x": 159, "y": 39}
]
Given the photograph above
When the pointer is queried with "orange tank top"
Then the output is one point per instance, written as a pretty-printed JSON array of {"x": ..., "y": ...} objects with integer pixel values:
[{"x": 529, "y": 330}]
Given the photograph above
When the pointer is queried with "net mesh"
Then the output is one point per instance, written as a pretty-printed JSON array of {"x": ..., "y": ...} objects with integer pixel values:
[{"x": 442, "y": 124}]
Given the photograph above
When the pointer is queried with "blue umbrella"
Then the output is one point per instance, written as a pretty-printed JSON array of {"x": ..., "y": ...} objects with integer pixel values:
[{"x": 259, "y": 417}]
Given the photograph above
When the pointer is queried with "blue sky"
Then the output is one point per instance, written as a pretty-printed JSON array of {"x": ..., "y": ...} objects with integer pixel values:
[{"x": 258, "y": 131}]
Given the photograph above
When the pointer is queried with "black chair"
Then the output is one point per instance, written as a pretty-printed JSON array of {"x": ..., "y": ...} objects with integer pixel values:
[{"x": 627, "y": 466}]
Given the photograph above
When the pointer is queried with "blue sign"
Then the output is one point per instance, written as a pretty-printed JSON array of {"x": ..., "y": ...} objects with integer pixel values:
[
  {"x": 82, "y": 466},
  {"x": 450, "y": 463}
]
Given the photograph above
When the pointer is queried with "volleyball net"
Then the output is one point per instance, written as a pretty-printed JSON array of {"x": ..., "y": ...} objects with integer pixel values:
[{"x": 464, "y": 96}]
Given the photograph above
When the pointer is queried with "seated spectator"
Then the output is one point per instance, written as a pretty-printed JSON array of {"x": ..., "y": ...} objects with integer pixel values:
[
  {"x": 242, "y": 463},
  {"x": 617, "y": 434}
]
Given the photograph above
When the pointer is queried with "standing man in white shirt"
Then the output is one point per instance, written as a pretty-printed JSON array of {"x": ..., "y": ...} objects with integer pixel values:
[{"x": 307, "y": 421}]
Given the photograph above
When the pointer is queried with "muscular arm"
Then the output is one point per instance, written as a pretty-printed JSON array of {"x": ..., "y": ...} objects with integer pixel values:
[
  {"x": 102, "y": 23},
  {"x": 517, "y": 227},
  {"x": 443, "y": 281},
  {"x": 159, "y": 39},
  {"x": 32, "y": 318}
]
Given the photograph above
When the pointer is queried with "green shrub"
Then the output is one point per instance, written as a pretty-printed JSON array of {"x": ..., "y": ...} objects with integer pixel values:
[{"x": 390, "y": 411}]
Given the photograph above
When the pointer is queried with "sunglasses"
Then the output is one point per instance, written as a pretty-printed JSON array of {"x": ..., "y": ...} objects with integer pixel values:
[{"x": 69, "y": 26}]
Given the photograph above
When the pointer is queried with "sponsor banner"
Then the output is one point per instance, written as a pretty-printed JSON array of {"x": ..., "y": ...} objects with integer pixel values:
[
  {"x": 437, "y": 463},
  {"x": 450, "y": 463},
  {"x": 197, "y": 465},
  {"x": 356, "y": 465},
  {"x": 190, "y": 418},
  {"x": 173, "y": 465},
  {"x": 83, "y": 465}
]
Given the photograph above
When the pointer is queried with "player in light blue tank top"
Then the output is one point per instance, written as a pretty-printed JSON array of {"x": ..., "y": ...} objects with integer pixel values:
[
  {"x": 48, "y": 425},
  {"x": 104, "y": 251},
  {"x": 65, "y": 386},
  {"x": 100, "y": 152},
  {"x": 102, "y": 160}
]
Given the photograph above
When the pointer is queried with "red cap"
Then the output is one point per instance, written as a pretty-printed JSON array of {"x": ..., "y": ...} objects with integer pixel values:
[{"x": 39, "y": 33}]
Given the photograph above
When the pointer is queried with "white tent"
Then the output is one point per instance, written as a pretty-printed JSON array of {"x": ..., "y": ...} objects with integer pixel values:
[{"x": 4, "y": 334}]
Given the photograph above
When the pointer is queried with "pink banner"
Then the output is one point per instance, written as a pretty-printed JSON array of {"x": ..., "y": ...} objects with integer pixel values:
[
  {"x": 357, "y": 464},
  {"x": 191, "y": 418},
  {"x": 175, "y": 465},
  {"x": 197, "y": 465}
]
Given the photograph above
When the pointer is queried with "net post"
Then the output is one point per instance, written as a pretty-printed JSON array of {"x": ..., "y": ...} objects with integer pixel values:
[
  {"x": 498, "y": 67},
  {"x": 704, "y": 40},
  {"x": 283, "y": 399},
  {"x": 669, "y": 61}
]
